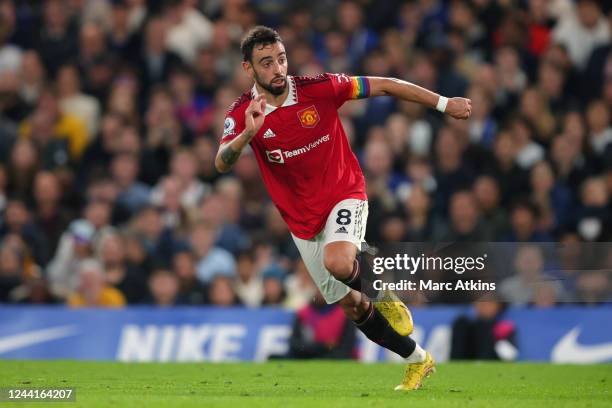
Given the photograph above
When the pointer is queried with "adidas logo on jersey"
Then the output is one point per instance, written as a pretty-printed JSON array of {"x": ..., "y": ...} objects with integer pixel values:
[
  {"x": 268, "y": 134},
  {"x": 341, "y": 230}
]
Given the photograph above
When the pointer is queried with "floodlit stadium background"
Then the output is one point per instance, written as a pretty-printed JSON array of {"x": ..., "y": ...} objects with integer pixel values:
[{"x": 110, "y": 116}]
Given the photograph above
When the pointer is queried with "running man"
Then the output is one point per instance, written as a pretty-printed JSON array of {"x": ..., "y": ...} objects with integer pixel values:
[{"x": 314, "y": 179}]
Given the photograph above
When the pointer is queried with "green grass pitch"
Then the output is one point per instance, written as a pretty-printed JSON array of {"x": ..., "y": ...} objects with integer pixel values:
[{"x": 291, "y": 384}]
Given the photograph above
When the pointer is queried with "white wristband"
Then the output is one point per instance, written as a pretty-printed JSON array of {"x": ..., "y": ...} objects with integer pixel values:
[{"x": 442, "y": 102}]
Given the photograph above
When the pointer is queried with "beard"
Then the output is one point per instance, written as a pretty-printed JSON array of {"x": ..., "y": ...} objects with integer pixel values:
[{"x": 270, "y": 87}]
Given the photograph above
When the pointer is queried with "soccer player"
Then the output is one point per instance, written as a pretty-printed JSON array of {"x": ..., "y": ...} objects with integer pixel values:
[{"x": 314, "y": 179}]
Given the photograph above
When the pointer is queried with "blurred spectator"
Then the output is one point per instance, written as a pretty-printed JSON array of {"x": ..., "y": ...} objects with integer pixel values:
[
  {"x": 482, "y": 124},
  {"x": 486, "y": 335},
  {"x": 205, "y": 151},
  {"x": 10, "y": 271},
  {"x": 211, "y": 260},
  {"x": 528, "y": 152},
  {"x": 132, "y": 194},
  {"x": 418, "y": 209},
  {"x": 32, "y": 78},
  {"x": 123, "y": 37},
  {"x": 193, "y": 109},
  {"x": 569, "y": 164},
  {"x": 50, "y": 216},
  {"x": 299, "y": 287},
  {"x": 551, "y": 85},
  {"x": 49, "y": 124},
  {"x": 191, "y": 290},
  {"x": 188, "y": 29},
  {"x": 58, "y": 35},
  {"x": 465, "y": 220},
  {"x": 597, "y": 69},
  {"x": 593, "y": 217},
  {"x": 600, "y": 129},
  {"x": 155, "y": 60},
  {"x": 248, "y": 285},
  {"x": 521, "y": 288},
  {"x": 164, "y": 131},
  {"x": 221, "y": 292},
  {"x": 510, "y": 78},
  {"x": 183, "y": 167},
  {"x": 216, "y": 209},
  {"x": 18, "y": 220},
  {"x": 129, "y": 141},
  {"x": 73, "y": 101},
  {"x": 525, "y": 224},
  {"x": 10, "y": 55},
  {"x": 99, "y": 152},
  {"x": 278, "y": 235},
  {"x": 123, "y": 96},
  {"x": 173, "y": 213},
  {"x": 378, "y": 162},
  {"x": 510, "y": 177},
  {"x": 453, "y": 173},
  {"x": 156, "y": 239},
  {"x": 11, "y": 110},
  {"x": 546, "y": 295},
  {"x": 582, "y": 31},
  {"x": 163, "y": 288},
  {"x": 321, "y": 331},
  {"x": 121, "y": 274},
  {"x": 75, "y": 245},
  {"x": 135, "y": 253},
  {"x": 91, "y": 289},
  {"x": 359, "y": 38},
  {"x": 22, "y": 167},
  {"x": 273, "y": 288},
  {"x": 487, "y": 194},
  {"x": 95, "y": 63},
  {"x": 554, "y": 200},
  {"x": 593, "y": 287},
  {"x": 535, "y": 109}
]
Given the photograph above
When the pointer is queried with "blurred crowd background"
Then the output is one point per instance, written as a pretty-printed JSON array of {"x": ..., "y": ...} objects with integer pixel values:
[{"x": 111, "y": 112}]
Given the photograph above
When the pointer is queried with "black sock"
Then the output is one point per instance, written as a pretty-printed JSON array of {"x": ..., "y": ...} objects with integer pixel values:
[
  {"x": 354, "y": 280},
  {"x": 358, "y": 280},
  {"x": 377, "y": 328}
]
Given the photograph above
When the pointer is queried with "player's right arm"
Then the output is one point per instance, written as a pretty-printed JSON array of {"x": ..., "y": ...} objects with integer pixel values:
[{"x": 230, "y": 150}]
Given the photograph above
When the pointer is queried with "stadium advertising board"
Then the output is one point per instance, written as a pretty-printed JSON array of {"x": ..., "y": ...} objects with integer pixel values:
[{"x": 565, "y": 335}]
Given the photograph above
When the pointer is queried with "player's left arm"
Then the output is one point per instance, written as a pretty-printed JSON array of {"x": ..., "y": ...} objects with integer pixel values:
[{"x": 458, "y": 108}]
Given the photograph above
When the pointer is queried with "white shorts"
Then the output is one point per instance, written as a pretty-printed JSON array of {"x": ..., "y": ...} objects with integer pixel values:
[{"x": 346, "y": 222}]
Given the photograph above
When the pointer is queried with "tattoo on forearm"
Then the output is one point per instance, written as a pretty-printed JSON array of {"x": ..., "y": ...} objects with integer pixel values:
[{"x": 229, "y": 156}]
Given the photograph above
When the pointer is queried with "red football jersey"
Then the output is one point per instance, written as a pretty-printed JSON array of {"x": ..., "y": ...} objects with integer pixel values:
[{"x": 303, "y": 153}]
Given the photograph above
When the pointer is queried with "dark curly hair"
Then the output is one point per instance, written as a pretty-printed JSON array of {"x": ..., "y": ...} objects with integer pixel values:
[{"x": 259, "y": 35}]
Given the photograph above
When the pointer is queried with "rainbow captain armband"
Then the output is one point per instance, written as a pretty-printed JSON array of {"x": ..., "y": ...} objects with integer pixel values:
[{"x": 361, "y": 87}]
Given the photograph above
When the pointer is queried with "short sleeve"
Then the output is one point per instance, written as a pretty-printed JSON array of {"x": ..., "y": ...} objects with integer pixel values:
[
  {"x": 232, "y": 127},
  {"x": 349, "y": 87}
]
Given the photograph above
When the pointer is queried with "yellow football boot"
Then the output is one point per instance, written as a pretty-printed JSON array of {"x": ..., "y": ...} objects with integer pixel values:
[
  {"x": 395, "y": 311},
  {"x": 416, "y": 373}
]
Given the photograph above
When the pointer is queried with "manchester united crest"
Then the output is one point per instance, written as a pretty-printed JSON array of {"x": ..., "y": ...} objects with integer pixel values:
[{"x": 308, "y": 117}]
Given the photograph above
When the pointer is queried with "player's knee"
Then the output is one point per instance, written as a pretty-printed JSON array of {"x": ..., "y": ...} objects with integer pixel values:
[{"x": 339, "y": 264}]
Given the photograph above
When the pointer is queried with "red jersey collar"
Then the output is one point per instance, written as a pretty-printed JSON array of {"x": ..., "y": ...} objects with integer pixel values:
[{"x": 291, "y": 99}]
